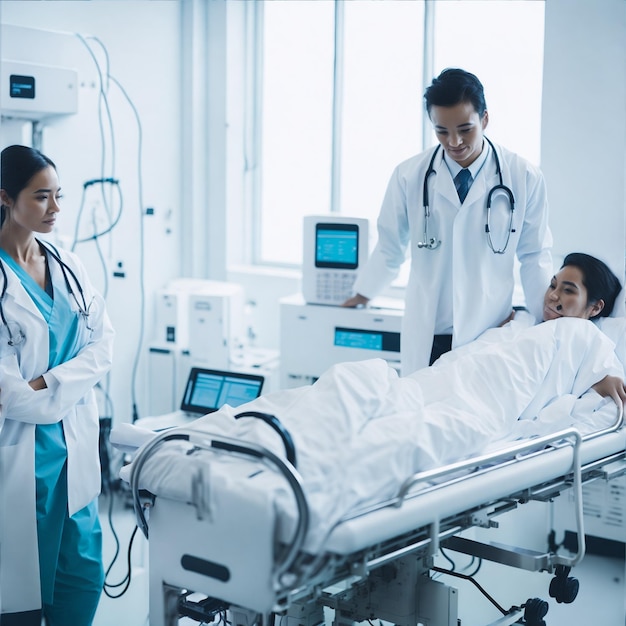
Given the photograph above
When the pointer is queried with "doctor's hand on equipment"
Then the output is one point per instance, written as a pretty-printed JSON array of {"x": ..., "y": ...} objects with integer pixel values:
[
  {"x": 612, "y": 386},
  {"x": 357, "y": 301}
]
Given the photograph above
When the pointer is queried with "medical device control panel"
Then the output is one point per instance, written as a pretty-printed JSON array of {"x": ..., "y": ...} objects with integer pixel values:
[
  {"x": 314, "y": 337},
  {"x": 334, "y": 248},
  {"x": 34, "y": 92}
]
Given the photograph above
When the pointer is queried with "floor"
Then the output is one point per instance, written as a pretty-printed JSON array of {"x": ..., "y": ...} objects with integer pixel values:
[{"x": 601, "y": 599}]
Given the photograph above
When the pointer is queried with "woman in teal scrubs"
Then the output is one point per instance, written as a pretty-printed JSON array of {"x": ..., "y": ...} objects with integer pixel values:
[{"x": 55, "y": 345}]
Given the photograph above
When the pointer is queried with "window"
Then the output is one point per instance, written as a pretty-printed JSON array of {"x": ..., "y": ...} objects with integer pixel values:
[
  {"x": 342, "y": 102},
  {"x": 296, "y": 118},
  {"x": 477, "y": 36}
]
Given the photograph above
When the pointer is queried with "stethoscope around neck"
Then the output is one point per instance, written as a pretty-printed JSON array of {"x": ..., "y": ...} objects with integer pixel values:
[
  {"x": 16, "y": 334},
  {"x": 432, "y": 243}
]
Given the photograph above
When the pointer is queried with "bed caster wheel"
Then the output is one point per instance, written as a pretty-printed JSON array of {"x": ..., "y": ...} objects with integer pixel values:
[
  {"x": 535, "y": 610},
  {"x": 563, "y": 588}
]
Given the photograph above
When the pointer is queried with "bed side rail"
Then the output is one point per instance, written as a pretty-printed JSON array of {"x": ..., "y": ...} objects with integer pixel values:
[
  {"x": 518, "y": 452},
  {"x": 619, "y": 422},
  {"x": 485, "y": 462},
  {"x": 514, "y": 452}
]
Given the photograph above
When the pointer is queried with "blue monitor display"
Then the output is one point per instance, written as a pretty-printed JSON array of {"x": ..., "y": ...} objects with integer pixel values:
[
  {"x": 358, "y": 339},
  {"x": 384, "y": 341},
  {"x": 337, "y": 246}
]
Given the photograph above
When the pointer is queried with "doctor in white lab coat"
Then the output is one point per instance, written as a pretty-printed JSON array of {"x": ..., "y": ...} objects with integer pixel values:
[
  {"x": 462, "y": 284},
  {"x": 51, "y": 357}
]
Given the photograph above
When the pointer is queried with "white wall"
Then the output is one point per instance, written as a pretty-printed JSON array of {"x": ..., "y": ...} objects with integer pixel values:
[
  {"x": 583, "y": 153},
  {"x": 143, "y": 40}
]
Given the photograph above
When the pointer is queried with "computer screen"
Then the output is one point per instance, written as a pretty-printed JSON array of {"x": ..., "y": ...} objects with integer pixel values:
[{"x": 208, "y": 390}]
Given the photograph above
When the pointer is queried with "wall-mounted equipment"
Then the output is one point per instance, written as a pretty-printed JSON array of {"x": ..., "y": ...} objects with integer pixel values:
[{"x": 34, "y": 92}]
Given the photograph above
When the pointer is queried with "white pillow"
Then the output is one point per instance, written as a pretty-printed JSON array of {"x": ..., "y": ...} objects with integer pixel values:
[{"x": 615, "y": 329}]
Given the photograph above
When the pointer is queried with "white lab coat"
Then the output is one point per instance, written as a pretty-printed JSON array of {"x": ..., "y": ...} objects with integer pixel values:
[
  {"x": 69, "y": 396},
  {"x": 482, "y": 282}
]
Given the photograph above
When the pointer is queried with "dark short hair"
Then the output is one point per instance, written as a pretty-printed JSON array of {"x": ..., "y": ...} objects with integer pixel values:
[
  {"x": 18, "y": 164},
  {"x": 600, "y": 282},
  {"x": 452, "y": 86}
]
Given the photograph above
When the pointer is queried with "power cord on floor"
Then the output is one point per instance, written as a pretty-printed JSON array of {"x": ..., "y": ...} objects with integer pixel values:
[
  {"x": 113, "y": 488},
  {"x": 127, "y": 579}
]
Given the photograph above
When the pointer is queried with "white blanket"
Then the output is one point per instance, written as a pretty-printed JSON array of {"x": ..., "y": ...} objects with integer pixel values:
[{"x": 361, "y": 430}]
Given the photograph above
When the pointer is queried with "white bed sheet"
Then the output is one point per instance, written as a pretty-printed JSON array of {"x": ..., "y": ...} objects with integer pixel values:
[{"x": 360, "y": 431}]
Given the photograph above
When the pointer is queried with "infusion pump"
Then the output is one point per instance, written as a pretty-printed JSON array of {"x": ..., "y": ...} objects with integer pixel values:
[
  {"x": 314, "y": 337},
  {"x": 334, "y": 248}
]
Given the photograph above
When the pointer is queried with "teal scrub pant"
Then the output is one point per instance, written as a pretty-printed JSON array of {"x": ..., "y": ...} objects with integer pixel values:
[
  {"x": 79, "y": 574},
  {"x": 70, "y": 548}
]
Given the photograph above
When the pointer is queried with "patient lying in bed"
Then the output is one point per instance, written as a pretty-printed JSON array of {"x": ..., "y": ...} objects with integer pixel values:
[{"x": 360, "y": 430}]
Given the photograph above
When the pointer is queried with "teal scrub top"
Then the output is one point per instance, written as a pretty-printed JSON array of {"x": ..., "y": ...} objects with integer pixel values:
[{"x": 50, "y": 450}]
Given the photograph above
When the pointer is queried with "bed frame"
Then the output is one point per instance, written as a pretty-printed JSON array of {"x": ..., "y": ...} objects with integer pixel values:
[{"x": 206, "y": 560}]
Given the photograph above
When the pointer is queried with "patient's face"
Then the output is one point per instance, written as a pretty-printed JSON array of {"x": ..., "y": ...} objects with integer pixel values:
[{"x": 567, "y": 296}]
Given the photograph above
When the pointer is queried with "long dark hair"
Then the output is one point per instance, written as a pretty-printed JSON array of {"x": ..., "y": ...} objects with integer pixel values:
[
  {"x": 18, "y": 164},
  {"x": 600, "y": 282}
]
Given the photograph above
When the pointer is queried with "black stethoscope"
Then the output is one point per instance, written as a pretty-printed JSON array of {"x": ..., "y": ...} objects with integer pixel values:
[
  {"x": 431, "y": 243},
  {"x": 16, "y": 334}
]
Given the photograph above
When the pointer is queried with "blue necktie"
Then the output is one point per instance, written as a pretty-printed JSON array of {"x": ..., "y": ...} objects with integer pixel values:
[{"x": 462, "y": 182}]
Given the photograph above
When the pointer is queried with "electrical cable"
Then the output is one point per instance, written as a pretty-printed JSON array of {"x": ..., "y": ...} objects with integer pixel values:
[
  {"x": 477, "y": 569},
  {"x": 447, "y": 558},
  {"x": 105, "y": 277},
  {"x": 125, "y": 582},
  {"x": 474, "y": 582},
  {"x": 103, "y": 101},
  {"x": 113, "y": 223},
  {"x": 141, "y": 252}
]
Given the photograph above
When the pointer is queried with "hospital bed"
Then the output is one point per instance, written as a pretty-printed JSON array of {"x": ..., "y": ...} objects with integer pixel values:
[{"x": 230, "y": 550}]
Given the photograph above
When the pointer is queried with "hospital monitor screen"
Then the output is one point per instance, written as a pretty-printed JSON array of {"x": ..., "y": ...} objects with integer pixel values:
[
  {"x": 383, "y": 341},
  {"x": 337, "y": 246},
  {"x": 209, "y": 390}
]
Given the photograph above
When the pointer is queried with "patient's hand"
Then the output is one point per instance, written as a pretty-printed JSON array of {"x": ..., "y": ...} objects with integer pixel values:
[
  {"x": 612, "y": 386},
  {"x": 508, "y": 319}
]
